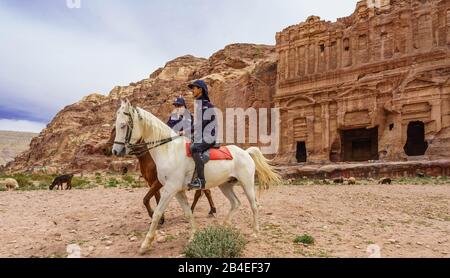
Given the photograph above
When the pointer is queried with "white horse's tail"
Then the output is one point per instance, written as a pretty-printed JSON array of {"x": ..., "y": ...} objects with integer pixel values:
[{"x": 266, "y": 174}]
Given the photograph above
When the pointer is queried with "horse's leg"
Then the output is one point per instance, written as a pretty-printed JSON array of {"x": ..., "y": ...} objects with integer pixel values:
[
  {"x": 211, "y": 202},
  {"x": 227, "y": 190},
  {"x": 248, "y": 184},
  {"x": 197, "y": 196},
  {"x": 158, "y": 198},
  {"x": 184, "y": 203},
  {"x": 146, "y": 202},
  {"x": 162, "y": 206}
]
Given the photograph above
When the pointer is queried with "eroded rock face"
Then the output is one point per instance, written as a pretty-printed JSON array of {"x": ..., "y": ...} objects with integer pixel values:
[
  {"x": 374, "y": 85},
  {"x": 241, "y": 75}
]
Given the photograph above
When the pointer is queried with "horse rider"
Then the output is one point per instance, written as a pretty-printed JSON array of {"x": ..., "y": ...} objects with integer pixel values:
[
  {"x": 205, "y": 128},
  {"x": 181, "y": 119}
]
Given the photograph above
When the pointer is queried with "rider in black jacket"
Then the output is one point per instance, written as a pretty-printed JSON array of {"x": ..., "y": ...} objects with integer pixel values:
[{"x": 205, "y": 129}]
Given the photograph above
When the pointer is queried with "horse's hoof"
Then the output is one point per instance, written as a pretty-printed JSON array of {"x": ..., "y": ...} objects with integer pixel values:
[
  {"x": 211, "y": 215},
  {"x": 162, "y": 220},
  {"x": 213, "y": 210},
  {"x": 144, "y": 250}
]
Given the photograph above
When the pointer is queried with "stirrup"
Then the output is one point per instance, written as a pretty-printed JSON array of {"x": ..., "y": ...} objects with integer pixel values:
[{"x": 197, "y": 184}]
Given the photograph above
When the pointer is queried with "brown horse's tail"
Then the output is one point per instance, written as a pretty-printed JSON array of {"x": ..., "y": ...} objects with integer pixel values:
[{"x": 266, "y": 174}]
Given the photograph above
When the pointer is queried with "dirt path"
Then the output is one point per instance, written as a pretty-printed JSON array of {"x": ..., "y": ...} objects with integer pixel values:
[{"x": 405, "y": 221}]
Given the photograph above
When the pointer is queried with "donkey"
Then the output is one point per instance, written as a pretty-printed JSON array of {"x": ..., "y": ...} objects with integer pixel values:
[{"x": 60, "y": 181}]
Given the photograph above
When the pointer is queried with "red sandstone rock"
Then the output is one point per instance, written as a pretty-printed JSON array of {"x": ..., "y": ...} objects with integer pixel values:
[{"x": 353, "y": 89}]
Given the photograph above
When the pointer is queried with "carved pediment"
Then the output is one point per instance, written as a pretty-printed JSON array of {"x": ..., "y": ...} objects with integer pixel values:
[
  {"x": 299, "y": 101},
  {"x": 421, "y": 82},
  {"x": 357, "y": 93}
]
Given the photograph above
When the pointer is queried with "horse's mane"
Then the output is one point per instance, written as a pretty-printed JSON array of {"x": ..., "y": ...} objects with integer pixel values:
[{"x": 153, "y": 128}]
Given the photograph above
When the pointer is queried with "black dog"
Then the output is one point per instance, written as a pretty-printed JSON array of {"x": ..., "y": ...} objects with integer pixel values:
[{"x": 59, "y": 181}]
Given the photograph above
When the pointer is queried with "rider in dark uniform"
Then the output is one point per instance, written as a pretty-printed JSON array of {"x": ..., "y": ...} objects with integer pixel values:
[
  {"x": 181, "y": 119},
  {"x": 205, "y": 129}
]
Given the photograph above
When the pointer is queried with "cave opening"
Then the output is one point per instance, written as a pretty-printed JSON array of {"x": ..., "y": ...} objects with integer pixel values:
[{"x": 416, "y": 144}]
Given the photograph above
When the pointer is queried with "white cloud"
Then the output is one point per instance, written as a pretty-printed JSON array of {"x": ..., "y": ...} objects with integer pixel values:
[{"x": 21, "y": 125}]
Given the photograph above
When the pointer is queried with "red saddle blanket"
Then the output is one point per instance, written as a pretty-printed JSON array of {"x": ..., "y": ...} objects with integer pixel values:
[{"x": 215, "y": 154}]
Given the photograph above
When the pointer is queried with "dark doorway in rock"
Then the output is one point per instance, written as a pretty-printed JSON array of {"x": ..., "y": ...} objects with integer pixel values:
[
  {"x": 360, "y": 144},
  {"x": 301, "y": 152},
  {"x": 416, "y": 144}
]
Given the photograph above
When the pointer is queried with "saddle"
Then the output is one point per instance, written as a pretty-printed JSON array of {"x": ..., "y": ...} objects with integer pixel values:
[{"x": 215, "y": 153}]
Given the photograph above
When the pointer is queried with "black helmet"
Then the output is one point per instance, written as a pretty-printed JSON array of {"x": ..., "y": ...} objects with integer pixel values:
[
  {"x": 200, "y": 84},
  {"x": 180, "y": 101}
]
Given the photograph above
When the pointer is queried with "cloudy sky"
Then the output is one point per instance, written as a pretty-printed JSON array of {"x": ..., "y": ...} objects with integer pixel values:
[{"x": 52, "y": 55}]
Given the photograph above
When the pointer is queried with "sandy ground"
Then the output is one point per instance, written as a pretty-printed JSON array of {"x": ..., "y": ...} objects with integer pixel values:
[{"x": 405, "y": 221}]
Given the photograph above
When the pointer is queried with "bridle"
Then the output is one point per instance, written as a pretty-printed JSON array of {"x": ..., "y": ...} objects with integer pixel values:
[
  {"x": 129, "y": 133},
  {"x": 136, "y": 149}
]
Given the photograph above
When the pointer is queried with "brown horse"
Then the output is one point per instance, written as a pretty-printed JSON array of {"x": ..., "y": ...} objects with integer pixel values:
[{"x": 149, "y": 173}]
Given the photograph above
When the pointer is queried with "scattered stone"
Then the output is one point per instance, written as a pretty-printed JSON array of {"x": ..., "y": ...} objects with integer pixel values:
[
  {"x": 419, "y": 243},
  {"x": 91, "y": 249},
  {"x": 392, "y": 241},
  {"x": 73, "y": 251},
  {"x": 133, "y": 239},
  {"x": 161, "y": 239},
  {"x": 108, "y": 243}
]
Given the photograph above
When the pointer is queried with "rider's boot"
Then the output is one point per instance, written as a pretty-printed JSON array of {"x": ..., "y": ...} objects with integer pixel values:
[{"x": 199, "y": 183}]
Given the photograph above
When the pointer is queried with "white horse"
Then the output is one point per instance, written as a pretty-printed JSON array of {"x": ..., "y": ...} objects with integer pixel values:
[{"x": 175, "y": 169}]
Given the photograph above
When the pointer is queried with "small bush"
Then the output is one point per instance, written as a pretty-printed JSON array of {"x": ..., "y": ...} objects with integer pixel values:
[
  {"x": 215, "y": 242},
  {"x": 305, "y": 239},
  {"x": 79, "y": 182},
  {"x": 112, "y": 183},
  {"x": 128, "y": 179},
  {"x": 23, "y": 180},
  {"x": 98, "y": 179}
]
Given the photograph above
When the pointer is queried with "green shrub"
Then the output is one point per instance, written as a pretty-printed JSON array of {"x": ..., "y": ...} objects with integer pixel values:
[
  {"x": 112, "y": 182},
  {"x": 128, "y": 179},
  {"x": 216, "y": 242},
  {"x": 98, "y": 179},
  {"x": 305, "y": 239},
  {"x": 79, "y": 182},
  {"x": 23, "y": 180}
]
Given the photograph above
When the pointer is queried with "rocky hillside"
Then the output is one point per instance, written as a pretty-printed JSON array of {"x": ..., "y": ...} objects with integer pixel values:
[
  {"x": 241, "y": 75},
  {"x": 12, "y": 144}
]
